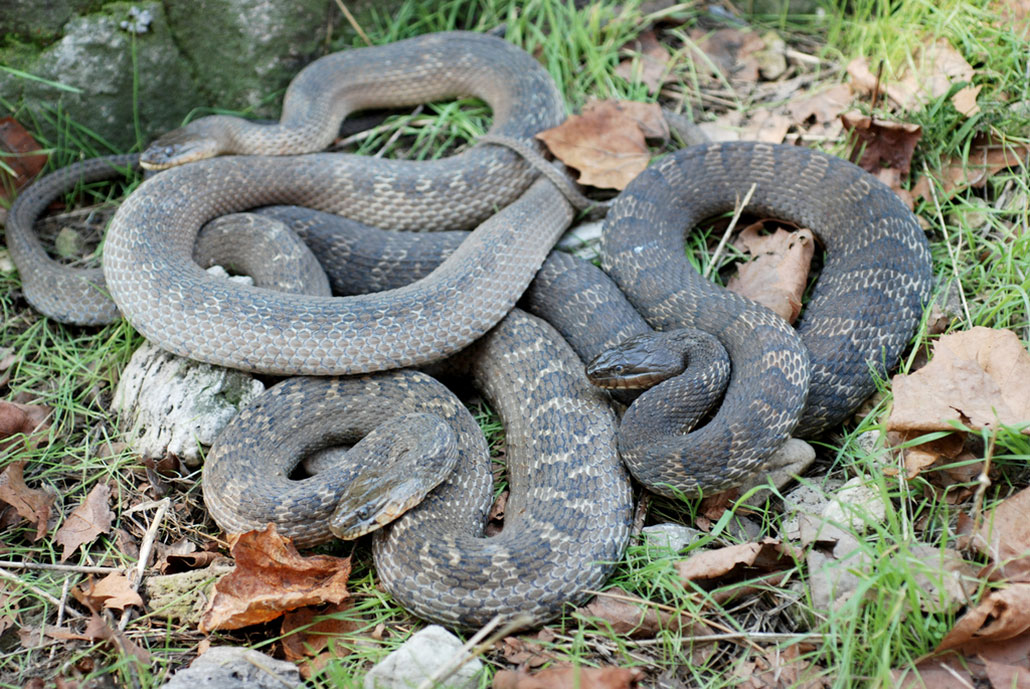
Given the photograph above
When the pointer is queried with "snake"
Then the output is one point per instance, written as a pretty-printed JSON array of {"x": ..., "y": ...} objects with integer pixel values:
[{"x": 864, "y": 308}]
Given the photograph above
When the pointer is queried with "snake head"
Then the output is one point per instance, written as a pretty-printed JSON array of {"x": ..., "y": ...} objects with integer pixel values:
[
  {"x": 178, "y": 147},
  {"x": 645, "y": 360},
  {"x": 401, "y": 460}
]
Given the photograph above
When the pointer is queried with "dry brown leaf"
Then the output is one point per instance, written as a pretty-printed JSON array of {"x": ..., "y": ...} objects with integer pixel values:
[
  {"x": 113, "y": 591},
  {"x": 30, "y": 504},
  {"x": 777, "y": 274},
  {"x": 781, "y": 667},
  {"x": 986, "y": 159},
  {"x": 1001, "y": 614},
  {"x": 305, "y": 638},
  {"x": 1004, "y": 536},
  {"x": 976, "y": 378},
  {"x": 632, "y": 616},
  {"x": 607, "y": 142},
  {"x": 881, "y": 144},
  {"x": 569, "y": 678},
  {"x": 938, "y": 673},
  {"x": 734, "y": 562},
  {"x": 650, "y": 65},
  {"x": 822, "y": 107},
  {"x": 21, "y": 420},
  {"x": 767, "y": 126},
  {"x": 87, "y": 521},
  {"x": 21, "y": 157},
  {"x": 527, "y": 653},
  {"x": 98, "y": 629},
  {"x": 937, "y": 67},
  {"x": 270, "y": 578}
]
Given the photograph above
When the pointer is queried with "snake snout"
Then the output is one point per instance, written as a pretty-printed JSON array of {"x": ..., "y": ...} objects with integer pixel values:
[{"x": 638, "y": 363}]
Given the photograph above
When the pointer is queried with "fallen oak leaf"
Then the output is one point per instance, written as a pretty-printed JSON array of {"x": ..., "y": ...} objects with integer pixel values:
[
  {"x": 569, "y": 678},
  {"x": 32, "y": 505},
  {"x": 113, "y": 591},
  {"x": 777, "y": 275},
  {"x": 21, "y": 420},
  {"x": 23, "y": 157},
  {"x": 304, "y": 637},
  {"x": 270, "y": 578},
  {"x": 87, "y": 521},
  {"x": 781, "y": 667},
  {"x": 632, "y": 616},
  {"x": 607, "y": 143},
  {"x": 975, "y": 378}
]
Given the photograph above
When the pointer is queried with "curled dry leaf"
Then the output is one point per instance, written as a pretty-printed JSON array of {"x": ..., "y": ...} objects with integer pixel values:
[
  {"x": 976, "y": 378},
  {"x": 728, "y": 53},
  {"x": 767, "y": 126},
  {"x": 735, "y": 562},
  {"x": 113, "y": 591},
  {"x": 777, "y": 274},
  {"x": 1001, "y": 614},
  {"x": 607, "y": 142},
  {"x": 821, "y": 107},
  {"x": 270, "y": 578},
  {"x": 87, "y": 521},
  {"x": 570, "y": 678},
  {"x": 32, "y": 505},
  {"x": 884, "y": 149},
  {"x": 650, "y": 66},
  {"x": 526, "y": 652}
]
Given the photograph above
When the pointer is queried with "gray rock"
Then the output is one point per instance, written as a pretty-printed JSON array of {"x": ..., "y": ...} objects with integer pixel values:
[
  {"x": 675, "y": 537},
  {"x": 88, "y": 74},
  {"x": 243, "y": 50},
  {"x": 426, "y": 652},
  {"x": 35, "y": 20},
  {"x": 231, "y": 667}
]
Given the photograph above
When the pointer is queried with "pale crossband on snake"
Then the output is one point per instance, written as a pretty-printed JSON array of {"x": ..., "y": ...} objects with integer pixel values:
[{"x": 151, "y": 241}]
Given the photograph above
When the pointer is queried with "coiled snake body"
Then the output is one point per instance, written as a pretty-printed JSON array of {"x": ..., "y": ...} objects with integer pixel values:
[{"x": 874, "y": 282}]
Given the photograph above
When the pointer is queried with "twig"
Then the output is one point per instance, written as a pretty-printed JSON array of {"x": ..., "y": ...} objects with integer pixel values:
[
  {"x": 396, "y": 135},
  {"x": 81, "y": 569},
  {"x": 947, "y": 244},
  {"x": 353, "y": 22},
  {"x": 474, "y": 647},
  {"x": 984, "y": 482},
  {"x": 729, "y": 230},
  {"x": 10, "y": 576},
  {"x": 144, "y": 554}
]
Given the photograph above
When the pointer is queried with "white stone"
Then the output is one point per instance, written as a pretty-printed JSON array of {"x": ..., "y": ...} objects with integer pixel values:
[
  {"x": 231, "y": 667},
  {"x": 856, "y": 506},
  {"x": 172, "y": 405},
  {"x": 675, "y": 537},
  {"x": 426, "y": 652}
]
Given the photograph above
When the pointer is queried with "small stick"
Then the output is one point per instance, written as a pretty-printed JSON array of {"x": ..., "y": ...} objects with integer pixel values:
[
  {"x": 80, "y": 569},
  {"x": 10, "y": 576},
  {"x": 729, "y": 230},
  {"x": 144, "y": 554},
  {"x": 396, "y": 134},
  {"x": 353, "y": 22}
]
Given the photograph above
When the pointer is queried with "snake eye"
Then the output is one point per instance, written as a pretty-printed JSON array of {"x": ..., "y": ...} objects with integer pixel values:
[
  {"x": 620, "y": 369},
  {"x": 363, "y": 513},
  {"x": 169, "y": 151}
]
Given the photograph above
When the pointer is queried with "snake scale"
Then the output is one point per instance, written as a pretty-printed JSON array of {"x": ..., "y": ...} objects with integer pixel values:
[{"x": 864, "y": 308}]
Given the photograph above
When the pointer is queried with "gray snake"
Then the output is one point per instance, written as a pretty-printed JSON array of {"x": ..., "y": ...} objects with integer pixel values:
[{"x": 865, "y": 306}]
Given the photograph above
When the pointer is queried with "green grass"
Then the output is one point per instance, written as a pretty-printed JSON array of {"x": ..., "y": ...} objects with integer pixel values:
[{"x": 980, "y": 243}]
